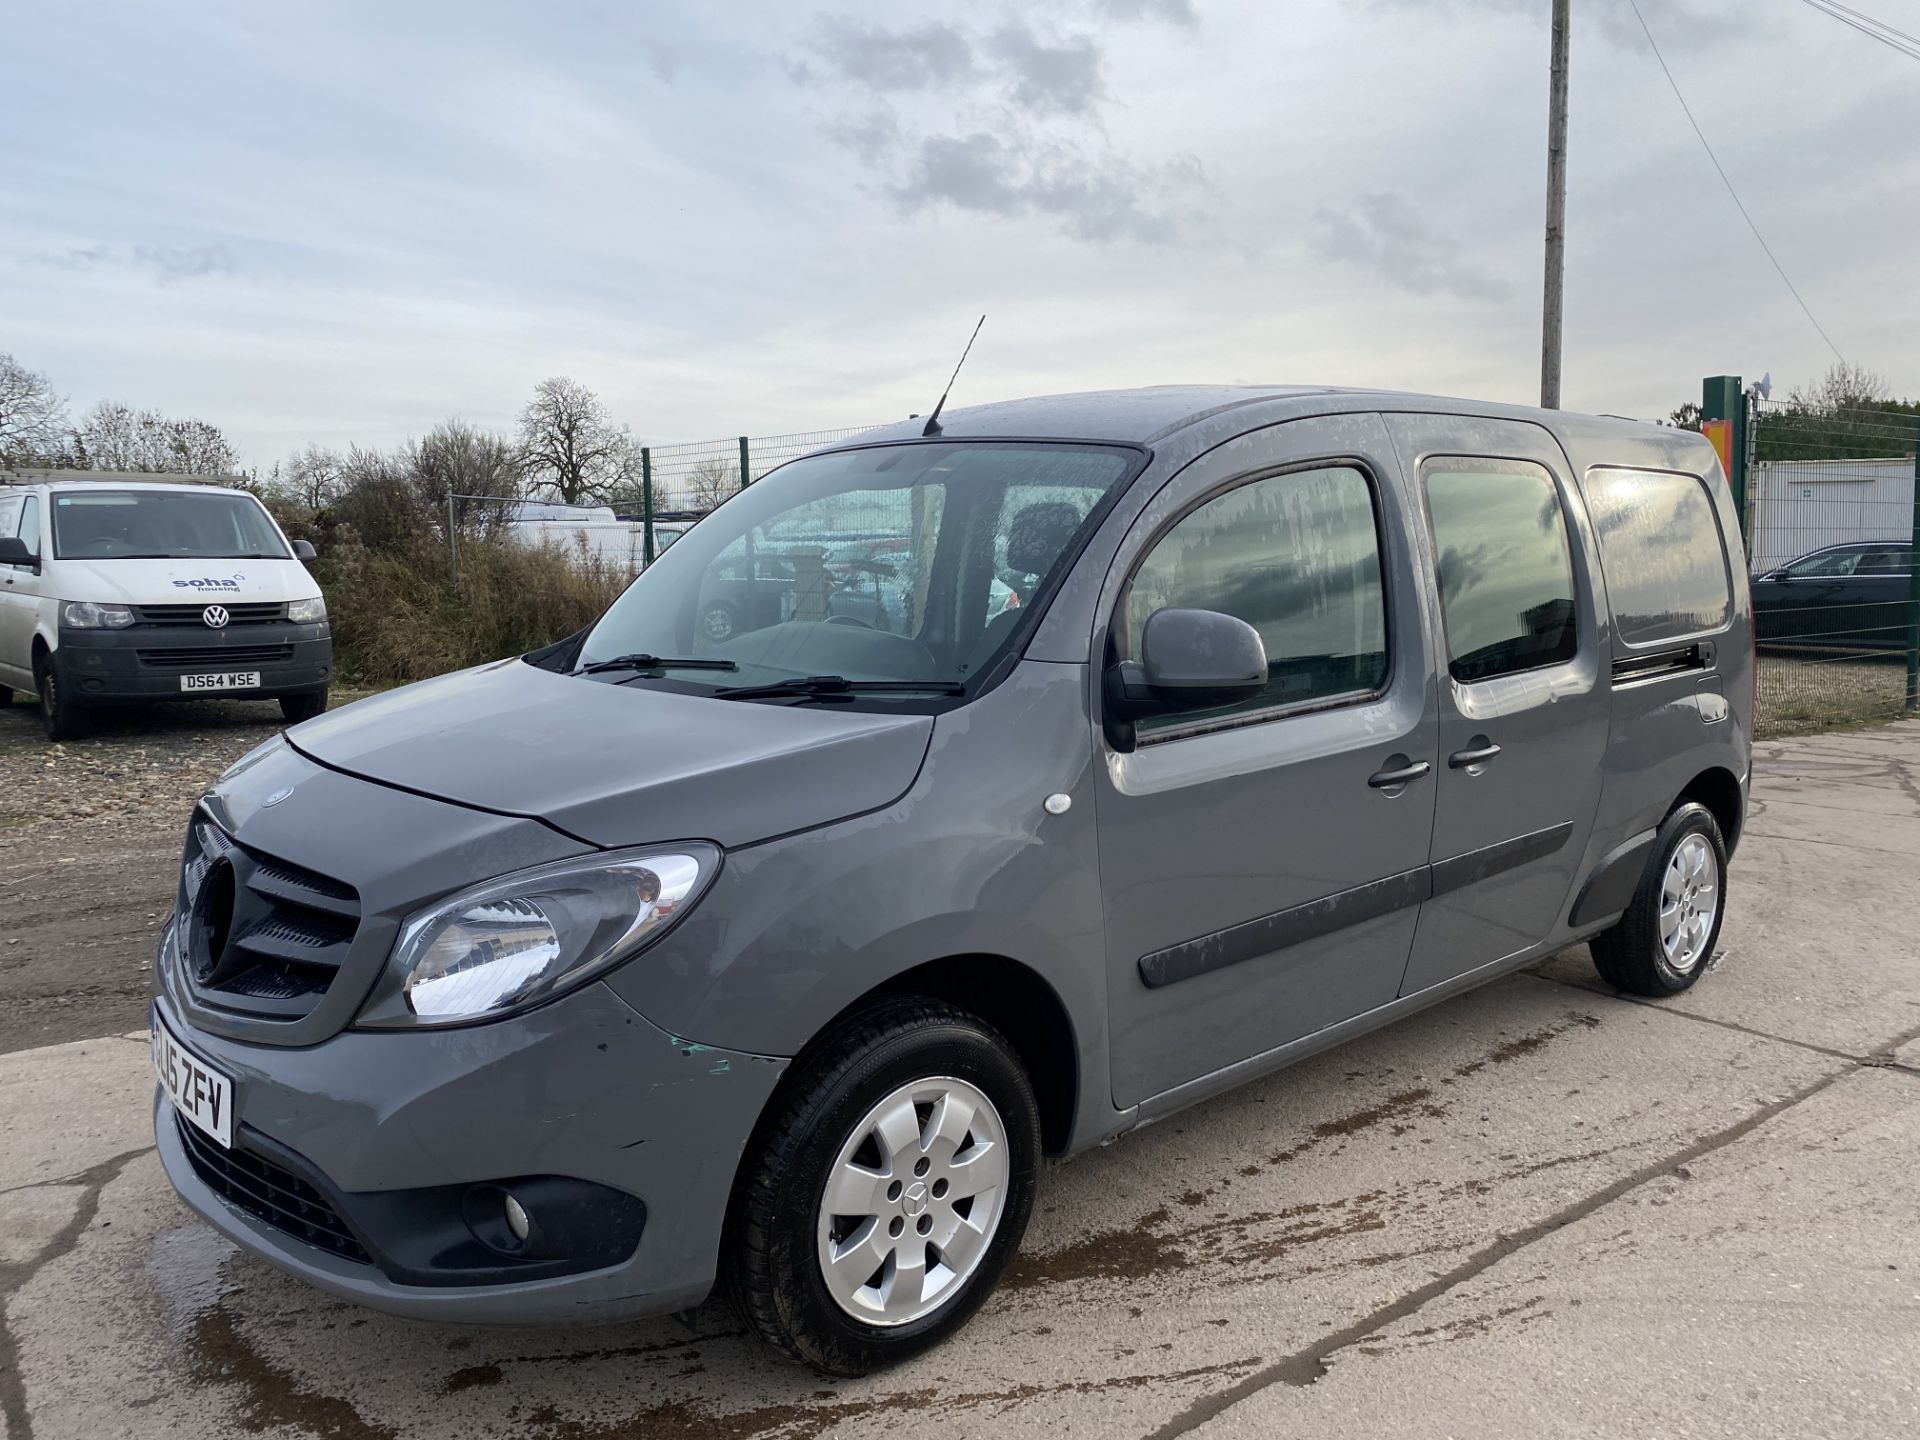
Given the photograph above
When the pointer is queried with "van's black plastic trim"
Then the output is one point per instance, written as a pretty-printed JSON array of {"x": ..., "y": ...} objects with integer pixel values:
[
  {"x": 1477, "y": 865},
  {"x": 1254, "y": 938},
  {"x": 1647, "y": 665},
  {"x": 1609, "y": 888},
  {"x": 1299, "y": 923}
]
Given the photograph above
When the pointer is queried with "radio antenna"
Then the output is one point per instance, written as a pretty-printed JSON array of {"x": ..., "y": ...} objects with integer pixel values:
[{"x": 933, "y": 420}]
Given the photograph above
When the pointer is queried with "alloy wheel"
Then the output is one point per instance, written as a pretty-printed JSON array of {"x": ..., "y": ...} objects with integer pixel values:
[
  {"x": 912, "y": 1201},
  {"x": 1689, "y": 901}
]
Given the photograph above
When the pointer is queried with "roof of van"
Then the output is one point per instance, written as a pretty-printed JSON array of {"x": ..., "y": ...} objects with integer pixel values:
[
  {"x": 1147, "y": 415},
  {"x": 121, "y": 479}
]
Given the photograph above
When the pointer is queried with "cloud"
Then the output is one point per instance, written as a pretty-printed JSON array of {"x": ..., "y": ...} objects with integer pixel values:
[
  {"x": 872, "y": 136},
  {"x": 1172, "y": 12},
  {"x": 1007, "y": 122},
  {"x": 1048, "y": 79},
  {"x": 1094, "y": 198},
  {"x": 164, "y": 263},
  {"x": 929, "y": 57},
  {"x": 1385, "y": 233},
  {"x": 1614, "y": 19}
]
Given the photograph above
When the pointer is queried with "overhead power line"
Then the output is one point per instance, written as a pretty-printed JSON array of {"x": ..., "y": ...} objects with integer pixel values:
[
  {"x": 1724, "y": 180},
  {"x": 1898, "y": 40}
]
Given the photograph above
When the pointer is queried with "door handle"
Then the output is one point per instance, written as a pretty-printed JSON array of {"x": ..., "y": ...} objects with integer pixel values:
[
  {"x": 1461, "y": 759},
  {"x": 1391, "y": 779}
]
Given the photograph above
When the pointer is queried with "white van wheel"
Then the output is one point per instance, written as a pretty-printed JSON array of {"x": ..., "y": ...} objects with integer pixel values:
[{"x": 60, "y": 717}]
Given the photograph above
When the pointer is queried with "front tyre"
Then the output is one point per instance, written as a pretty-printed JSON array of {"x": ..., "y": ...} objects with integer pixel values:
[
  {"x": 304, "y": 706},
  {"x": 1662, "y": 943},
  {"x": 886, "y": 1190},
  {"x": 59, "y": 715}
]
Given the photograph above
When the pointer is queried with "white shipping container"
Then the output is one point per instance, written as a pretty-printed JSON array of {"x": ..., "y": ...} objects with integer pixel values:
[{"x": 1804, "y": 505}]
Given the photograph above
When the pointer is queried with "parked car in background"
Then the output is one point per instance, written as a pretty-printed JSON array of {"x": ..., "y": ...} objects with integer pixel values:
[
  {"x": 776, "y": 962},
  {"x": 117, "y": 588},
  {"x": 1853, "y": 596}
]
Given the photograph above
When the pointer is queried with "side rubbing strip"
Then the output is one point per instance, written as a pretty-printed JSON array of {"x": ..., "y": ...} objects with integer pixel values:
[
  {"x": 1273, "y": 932},
  {"x": 1476, "y": 865}
]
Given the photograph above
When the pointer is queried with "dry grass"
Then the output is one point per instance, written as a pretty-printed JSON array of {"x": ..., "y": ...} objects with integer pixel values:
[
  {"x": 1805, "y": 692},
  {"x": 400, "y": 616}
]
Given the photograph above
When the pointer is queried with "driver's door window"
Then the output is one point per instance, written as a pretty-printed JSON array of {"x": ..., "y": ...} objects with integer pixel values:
[
  {"x": 1297, "y": 556},
  {"x": 1832, "y": 565}
]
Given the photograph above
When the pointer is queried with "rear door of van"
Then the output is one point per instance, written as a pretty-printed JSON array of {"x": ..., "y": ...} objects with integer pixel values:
[{"x": 1523, "y": 680}]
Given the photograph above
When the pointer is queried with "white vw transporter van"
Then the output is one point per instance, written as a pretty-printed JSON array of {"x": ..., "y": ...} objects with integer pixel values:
[{"x": 136, "y": 587}]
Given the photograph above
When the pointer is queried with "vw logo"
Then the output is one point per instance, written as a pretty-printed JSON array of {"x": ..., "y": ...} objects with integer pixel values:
[{"x": 216, "y": 616}]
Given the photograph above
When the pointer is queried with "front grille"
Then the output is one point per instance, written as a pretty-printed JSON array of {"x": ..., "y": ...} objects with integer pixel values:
[
  {"x": 270, "y": 1193},
  {"x": 237, "y": 613},
  {"x": 223, "y": 657},
  {"x": 284, "y": 934}
]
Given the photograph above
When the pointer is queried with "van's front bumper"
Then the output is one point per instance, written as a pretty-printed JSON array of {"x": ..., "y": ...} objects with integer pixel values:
[
  {"x": 392, "y": 1130},
  {"x": 145, "y": 662}
]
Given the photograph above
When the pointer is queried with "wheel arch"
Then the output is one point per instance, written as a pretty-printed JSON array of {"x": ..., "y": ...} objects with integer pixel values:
[
  {"x": 1718, "y": 790},
  {"x": 1015, "y": 1000}
]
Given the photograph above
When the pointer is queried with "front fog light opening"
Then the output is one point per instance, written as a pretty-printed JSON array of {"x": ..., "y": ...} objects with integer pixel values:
[{"x": 501, "y": 1221}]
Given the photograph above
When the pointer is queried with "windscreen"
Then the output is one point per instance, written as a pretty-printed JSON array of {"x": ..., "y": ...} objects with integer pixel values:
[
  {"x": 898, "y": 562},
  {"x": 162, "y": 525}
]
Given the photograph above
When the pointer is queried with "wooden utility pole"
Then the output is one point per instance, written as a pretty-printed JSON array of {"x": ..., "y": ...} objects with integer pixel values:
[{"x": 1556, "y": 214}]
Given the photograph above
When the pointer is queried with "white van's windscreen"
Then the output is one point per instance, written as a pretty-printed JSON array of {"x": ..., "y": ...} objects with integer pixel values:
[
  {"x": 1661, "y": 551},
  {"x": 162, "y": 525}
]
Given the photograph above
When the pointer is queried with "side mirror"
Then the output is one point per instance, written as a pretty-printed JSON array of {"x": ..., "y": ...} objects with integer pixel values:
[
  {"x": 1189, "y": 660},
  {"x": 13, "y": 551},
  {"x": 303, "y": 551}
]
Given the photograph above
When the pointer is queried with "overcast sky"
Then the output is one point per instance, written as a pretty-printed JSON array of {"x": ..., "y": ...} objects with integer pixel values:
[{"x": 342, "y": 222}]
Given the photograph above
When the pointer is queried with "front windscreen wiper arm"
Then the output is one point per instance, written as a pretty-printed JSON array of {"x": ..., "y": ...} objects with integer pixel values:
[
  {"x": 654, "y": 662},
  {"x": 827, "y": 686}
]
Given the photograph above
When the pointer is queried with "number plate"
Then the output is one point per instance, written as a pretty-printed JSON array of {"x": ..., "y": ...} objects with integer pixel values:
[
  {"x": 198, "y": 1091},
  {"x": 225, "y": 680}
]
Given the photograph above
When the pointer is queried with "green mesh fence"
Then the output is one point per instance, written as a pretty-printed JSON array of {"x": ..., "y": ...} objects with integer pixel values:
[
  {"x": 1830, "y": 533},
  {"x": 700, "y": 474}
]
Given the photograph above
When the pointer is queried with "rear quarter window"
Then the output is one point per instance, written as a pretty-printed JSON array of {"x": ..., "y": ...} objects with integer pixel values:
[{"x": 1662, "y": 552}]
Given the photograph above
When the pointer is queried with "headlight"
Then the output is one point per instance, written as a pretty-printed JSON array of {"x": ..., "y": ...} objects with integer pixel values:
[
  {"x": 85, "y": 615},
  {"x": 307, "y": 612},
  {"x": 522, "y": 940}
]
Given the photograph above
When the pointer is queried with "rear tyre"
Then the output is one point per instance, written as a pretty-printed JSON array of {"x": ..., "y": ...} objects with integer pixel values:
[
  {"x": 1662, "y": 944},
  {"x": 303, "y": 706},
  {"x": 6, "y": 697},
  {"x": 59, "y": 716},
  {"x": 886, "y": 1189}
]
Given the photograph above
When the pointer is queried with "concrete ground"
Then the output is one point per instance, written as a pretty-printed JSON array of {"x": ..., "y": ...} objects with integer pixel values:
[{"x": 1539, "y": 1210}]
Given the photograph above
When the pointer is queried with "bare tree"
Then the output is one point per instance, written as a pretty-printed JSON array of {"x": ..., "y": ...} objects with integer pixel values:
[
  {"x": 570, "y": 445},
  {"x": 33, "y": 416},
  {"x": 314, "y": 478},
  {"x": 457, "y": 459},
  {"x": 1844, "y": 387},
  {"x": 712, "y": 481},
  {"x": 113, "y": 436}
]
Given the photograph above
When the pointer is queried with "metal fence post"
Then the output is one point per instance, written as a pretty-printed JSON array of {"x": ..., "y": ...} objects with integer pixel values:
[
  {"x": 646, "y": 506},
  {"x": 746, "y": 475},
  {"x": 453, "y": 543},
  {"x": 1913, "y": 586},
  {"x": 1722, "y": 401}
]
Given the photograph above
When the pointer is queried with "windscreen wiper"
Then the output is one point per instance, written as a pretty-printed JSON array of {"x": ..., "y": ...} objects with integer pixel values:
[
  {"x": 654, "y": 662},
  {"x": 822, "y": 687}
]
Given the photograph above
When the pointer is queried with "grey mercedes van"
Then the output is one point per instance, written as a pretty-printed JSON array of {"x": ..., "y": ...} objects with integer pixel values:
[{"x": 580, "y": 983}]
